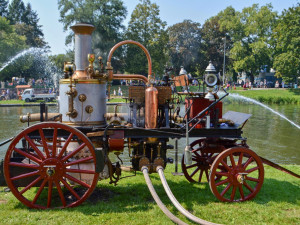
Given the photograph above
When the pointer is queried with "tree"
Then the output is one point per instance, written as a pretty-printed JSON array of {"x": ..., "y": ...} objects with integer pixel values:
[
  {"x": 106, "y": 15},
  {"x": 10, "y": 42},
  {"x": 31, "y": 29},
  {"x": 26, "y": 23},
  {"x": 184, "y": 45},
  {"x": 58, "y": 61},
  {"x": 146, "y": 27},
  {"x": 286, "y": 35},
  {"x": 250, "y": 31},
  {"x": 213, "y": 44},
  {"x": 3, "y": 8},
  {"x": 16, "y": 10}
]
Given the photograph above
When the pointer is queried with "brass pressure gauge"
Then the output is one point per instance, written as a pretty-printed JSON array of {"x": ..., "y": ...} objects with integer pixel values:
[{"x": 89, "y": 109}]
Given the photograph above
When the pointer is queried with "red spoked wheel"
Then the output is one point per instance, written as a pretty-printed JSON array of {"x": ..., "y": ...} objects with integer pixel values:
[
  {"x": 51, "y": 165},
  {"x": 202, "y": 159},
  {"x": 240, "y": 172}
]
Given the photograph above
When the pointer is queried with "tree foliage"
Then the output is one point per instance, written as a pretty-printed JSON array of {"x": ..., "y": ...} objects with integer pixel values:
[
  {"x": 287, "y": 39},
  {"x": 20, "y": 31},
  {"x": 250, "y": 30},
  {"x": 106, "y": 15},
  {"x": 26, "y": 22},
  {"x": 213, "y": 44},
  {"x": 10, "y": 42},
  {"x": 3, "y": 8},
  {"x": 184, "y": 45},
  {"x": 146, "y": 27}
]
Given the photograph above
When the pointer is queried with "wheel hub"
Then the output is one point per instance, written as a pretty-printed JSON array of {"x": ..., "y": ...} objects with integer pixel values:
[{"x": 52, "y": 168}]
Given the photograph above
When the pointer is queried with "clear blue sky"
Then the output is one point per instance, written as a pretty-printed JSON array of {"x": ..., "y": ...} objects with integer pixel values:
[{"x": 171, "y": 11}]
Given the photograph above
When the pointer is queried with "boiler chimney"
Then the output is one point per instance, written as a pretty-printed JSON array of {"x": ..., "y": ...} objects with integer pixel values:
[{"x": 83, "y": 47}]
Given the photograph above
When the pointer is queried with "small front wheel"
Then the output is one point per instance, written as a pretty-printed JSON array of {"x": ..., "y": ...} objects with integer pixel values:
[
  {"x": 27, "y": 100},
  {"x": 236, "y": 175}
]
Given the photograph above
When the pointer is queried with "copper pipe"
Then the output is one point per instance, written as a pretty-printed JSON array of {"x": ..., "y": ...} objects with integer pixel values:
[
  {"x": 135, "y": 43},
  {"x": 130, "y": 77},
  {"x": 151, "y": 107}
]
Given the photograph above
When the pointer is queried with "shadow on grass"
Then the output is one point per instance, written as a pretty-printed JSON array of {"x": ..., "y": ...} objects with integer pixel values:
[
  {"x": 135, "y": 197},
  {"x": 295, "y": 91}
]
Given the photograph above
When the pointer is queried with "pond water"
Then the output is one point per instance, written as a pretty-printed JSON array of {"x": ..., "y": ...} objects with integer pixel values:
[{"x": 269, "y": 135}]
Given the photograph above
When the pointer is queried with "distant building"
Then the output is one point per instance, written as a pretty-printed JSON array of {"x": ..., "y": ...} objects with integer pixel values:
[{"x": 268, "y": 76}]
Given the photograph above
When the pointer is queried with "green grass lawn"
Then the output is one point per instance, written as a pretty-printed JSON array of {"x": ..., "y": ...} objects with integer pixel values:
[
  {"x": 275, "y": 96},
  {"x": 130, "y": 202}
]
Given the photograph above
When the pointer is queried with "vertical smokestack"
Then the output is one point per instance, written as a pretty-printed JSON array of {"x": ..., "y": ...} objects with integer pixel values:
[{"x": 83, "y": 47}]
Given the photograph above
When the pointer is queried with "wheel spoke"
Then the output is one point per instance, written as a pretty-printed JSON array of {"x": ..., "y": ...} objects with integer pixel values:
[
  {"x": 252, "y": 169},
  {"x": 232, "y": 161},
  {"x": 241, "y": 158},
  {"x": 39, "y": 191},
  {"x": 226, "y": 189},
  {"x": 248, "y": 162},
  {"x": 222, "y": 174},
  {"x": 45, "y": 146},
  {"x": 222, "y": 182},
  {"x": 233, "y": 193},
  {"x": 25, "y": 175},
  {"x": 197, "y": 154},
  {"x": 61, "y": 195},
  {"x": 195, "y": 171},
  {"x": 79, "y": 161},
  {"x": 200, "y": 176},
  {"x": 252, "y": 179},
  {"x": 241, "y": 192},
  {"x": 77, "y": 181},
  {"x": 30, "y": 185},
  {"x": 50, "y": 188},
  {"x": 70, "y": 189},
  {"x": 40, "y": 154},
  {"x": 80, "y": 171},
  {"x": 225, "y": 165},
  {"x": 74, "y": 152},
  {"x": 191, "y": 166},
  {"x": 65, "y": 145},
  {"x": 248, "y": 186},
  {"x": 24, "y": 165},
  {"x": 207, "y": 175},
  {"x": 54, "y": 142},
  {"x": 194, "y": 159},
  {"x": 27, "y": 155}
]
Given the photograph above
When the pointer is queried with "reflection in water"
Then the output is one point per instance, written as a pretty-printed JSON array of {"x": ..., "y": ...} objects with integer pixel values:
[{"x": 268, "y": 134}]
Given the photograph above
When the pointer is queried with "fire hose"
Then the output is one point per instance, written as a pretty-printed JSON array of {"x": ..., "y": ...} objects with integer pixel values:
[
  {"x": 190, "y": 216},
  {"x": 157, "y": 199}
]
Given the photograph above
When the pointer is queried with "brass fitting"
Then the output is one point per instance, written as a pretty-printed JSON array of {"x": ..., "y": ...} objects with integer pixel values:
[{"x": 72, "y": 93}]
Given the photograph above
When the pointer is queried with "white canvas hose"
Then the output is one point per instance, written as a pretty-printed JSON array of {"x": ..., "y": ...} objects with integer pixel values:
[
  {"x": 160, "y": 171},
  {"x": 157, "y": 199}
]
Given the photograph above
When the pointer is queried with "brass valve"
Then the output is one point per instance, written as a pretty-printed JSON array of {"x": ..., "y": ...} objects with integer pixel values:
[{"x": 90, "y": 68}]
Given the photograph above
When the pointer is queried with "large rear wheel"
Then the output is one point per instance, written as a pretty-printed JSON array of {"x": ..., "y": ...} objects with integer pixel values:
[{"x": 51, "y": 165}]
